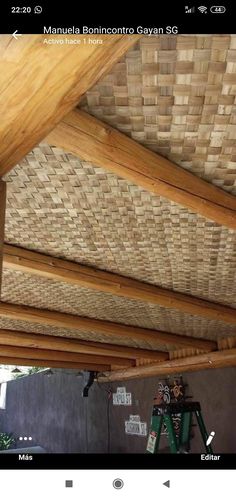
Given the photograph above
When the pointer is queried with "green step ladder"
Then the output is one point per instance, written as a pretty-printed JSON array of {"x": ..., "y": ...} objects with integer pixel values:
[{"x": 162, "y": 414}]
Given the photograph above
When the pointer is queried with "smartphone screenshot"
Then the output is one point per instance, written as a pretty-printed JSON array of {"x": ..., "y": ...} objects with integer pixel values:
[{"x": 117, "y": 249}]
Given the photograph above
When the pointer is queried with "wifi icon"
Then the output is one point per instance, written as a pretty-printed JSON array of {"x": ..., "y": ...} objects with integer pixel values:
[{"x": 202, "y": 9}]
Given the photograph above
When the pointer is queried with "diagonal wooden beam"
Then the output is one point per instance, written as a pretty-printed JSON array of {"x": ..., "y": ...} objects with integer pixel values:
[
  {"x": 40, "y": 82},
  {"x": 217, "y": 359},
  {"x": 94, "y": 141},
  {"x": 56, "y": 343},
  {"x": 40, "y": 265},
  {"x": 108, "y": 329},
  {"x": 2, "y": 224},
  {"x": 10, "y": 360},
  {"x": 45, "y": 354}
]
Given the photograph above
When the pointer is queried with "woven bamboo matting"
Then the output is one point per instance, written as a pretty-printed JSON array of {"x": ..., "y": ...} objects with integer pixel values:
[
  {"x": 22, "y": 288},
  {"x": 60, "y": 206},
  {"x": 176, "y": 95}
]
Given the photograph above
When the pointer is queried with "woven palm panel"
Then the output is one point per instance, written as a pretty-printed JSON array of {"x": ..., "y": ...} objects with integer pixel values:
[
  {"x": 61, "y": 206},
  {"x": 176, "y": 95},
  {"x": 22, "y": 288}
]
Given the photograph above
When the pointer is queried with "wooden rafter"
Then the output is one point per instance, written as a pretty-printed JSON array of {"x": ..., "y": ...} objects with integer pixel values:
[
  {"x": 108, "y": 329},
  {"x": 56, "y": 343},
  {"x": 73, "y": 273},
  {"x": 41, "y": 82},
  {"x": 104, "y": 146},
  {"x": 45, "y": 354},
  {"x": 10, "y": 360},
  {"x": 217, "y": 359}
]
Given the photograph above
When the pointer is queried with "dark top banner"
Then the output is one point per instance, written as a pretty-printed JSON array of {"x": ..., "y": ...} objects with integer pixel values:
[{"x": 68, "y": 17}]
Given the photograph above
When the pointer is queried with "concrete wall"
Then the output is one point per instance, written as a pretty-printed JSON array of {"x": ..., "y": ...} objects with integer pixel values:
[{"x": 52, "y": 411}]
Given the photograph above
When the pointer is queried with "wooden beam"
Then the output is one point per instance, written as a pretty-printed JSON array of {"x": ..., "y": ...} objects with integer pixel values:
[
  {"x": 56, "y": 343},
  {"x": 94, "y": 141},
  {"x": 8, "y": 360},
  {"x": 40, "y": 265},
  {"x": 45, "y": 354},
  {"x": 217, "y": 359},
  {"x": 108, "y": 329},
  {"x": 40, "y": 82},
  {"x": 2, "y": 224}
]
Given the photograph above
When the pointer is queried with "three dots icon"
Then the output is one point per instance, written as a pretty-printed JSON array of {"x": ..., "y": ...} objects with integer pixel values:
[{"x": 25, "y": 438}]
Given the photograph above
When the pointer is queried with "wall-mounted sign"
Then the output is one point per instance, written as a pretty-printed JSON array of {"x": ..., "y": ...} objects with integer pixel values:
[
  {"x": 121, "y": 397},
  {"x": 135, "y": 427}
]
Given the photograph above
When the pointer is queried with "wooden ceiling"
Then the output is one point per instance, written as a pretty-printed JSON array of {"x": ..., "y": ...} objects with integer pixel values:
[{"x": 129, "y": 253}]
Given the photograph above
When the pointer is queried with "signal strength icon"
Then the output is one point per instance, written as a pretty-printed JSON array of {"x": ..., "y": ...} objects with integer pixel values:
[
  {"x": 202, "y": 9},
  {"x": 189, "y": 10}
]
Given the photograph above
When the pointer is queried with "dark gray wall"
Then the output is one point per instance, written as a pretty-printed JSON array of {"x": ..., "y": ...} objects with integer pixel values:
[{"x": 52, "y": 411}]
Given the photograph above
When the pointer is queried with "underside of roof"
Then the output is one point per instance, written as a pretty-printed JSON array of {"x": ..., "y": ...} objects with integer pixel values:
[{"x": 176, "y": 96}]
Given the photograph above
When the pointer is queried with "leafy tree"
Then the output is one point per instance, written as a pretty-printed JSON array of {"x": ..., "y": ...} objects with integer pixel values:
[{"x": 33, "y": 370}]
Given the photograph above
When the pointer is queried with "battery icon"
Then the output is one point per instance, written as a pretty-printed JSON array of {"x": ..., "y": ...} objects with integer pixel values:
[{"x": 218, "y": 9}]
